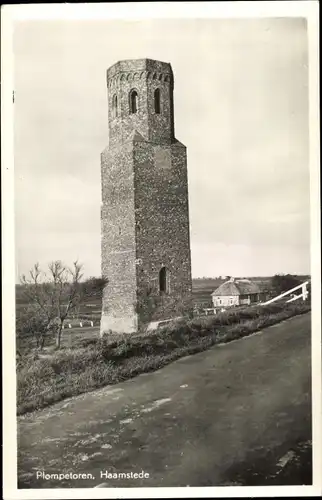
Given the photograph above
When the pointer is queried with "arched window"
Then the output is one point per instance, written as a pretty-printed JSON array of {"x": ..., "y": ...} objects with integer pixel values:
[
  {"x": 114, "y": 106},
  {"x": 164, "y": 280},
  {"x": 133, "y": 101},
  {"x": 157, "y": 101}
]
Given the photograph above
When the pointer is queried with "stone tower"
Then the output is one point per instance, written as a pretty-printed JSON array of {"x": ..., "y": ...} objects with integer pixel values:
[{"x": 144, "y": 213}]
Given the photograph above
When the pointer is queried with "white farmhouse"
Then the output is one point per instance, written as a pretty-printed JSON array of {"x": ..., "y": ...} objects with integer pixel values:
[{"x": 236, "y": 292}]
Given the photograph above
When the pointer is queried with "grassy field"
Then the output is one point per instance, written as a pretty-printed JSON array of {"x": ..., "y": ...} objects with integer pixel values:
[
  {"x": 201, "y": 290},
  {"x": 71, "y": 339},
  {"x": 90, "y": 311},
  {"x": 47, "y": 377}
]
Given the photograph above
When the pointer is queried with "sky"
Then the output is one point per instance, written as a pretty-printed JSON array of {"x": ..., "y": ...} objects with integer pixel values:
[{"x": 241, "y": 108}]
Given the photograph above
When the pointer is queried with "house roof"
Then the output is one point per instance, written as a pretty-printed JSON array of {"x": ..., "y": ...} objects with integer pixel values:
[{"x": 237, "y": 287}]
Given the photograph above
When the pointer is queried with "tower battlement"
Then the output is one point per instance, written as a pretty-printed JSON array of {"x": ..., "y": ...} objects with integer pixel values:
[{"x": 146, "y": 68}]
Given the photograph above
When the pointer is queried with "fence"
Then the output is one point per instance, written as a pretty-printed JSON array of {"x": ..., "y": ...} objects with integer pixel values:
[{"x": 304, "y": 294}]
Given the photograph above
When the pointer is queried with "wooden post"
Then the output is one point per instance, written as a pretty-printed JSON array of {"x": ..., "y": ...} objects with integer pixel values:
[
  {"x": 304, "y": 291},
  {"x": 286, "y": 293}
]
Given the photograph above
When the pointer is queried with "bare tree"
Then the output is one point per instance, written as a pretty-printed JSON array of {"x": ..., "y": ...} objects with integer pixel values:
[
  {"x": 31, "y": 323},
  {"x": 54, "y": 295}
]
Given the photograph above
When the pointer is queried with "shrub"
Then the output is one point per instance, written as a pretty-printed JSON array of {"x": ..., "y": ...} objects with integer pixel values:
[{"x": 43, "y": 380}]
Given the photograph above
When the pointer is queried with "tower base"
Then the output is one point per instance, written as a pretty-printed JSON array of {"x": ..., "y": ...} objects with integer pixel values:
[{"x": 126, "y": 324}]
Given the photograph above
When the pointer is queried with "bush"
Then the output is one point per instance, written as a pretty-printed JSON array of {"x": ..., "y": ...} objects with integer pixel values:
[
  {"x": 43, "y": 380},
  {"x": 89, "y": 342},
  {"x": 32, "y": 328},
  {"x": 283, "y": 282}
]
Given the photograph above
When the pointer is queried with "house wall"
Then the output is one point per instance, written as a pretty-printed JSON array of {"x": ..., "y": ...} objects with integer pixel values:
[
  {"x": 249, "y": 299},
  {"x": 225, "y": 300},
  {"x": 235, "y": 300},
  {"x": 245, "y": 300}
]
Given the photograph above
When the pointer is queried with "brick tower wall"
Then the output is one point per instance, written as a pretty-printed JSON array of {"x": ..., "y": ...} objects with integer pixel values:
[
  {"x": 162, "y": 219},
  {"x": 145, "y": 77},
  {"x": 145, "y": 216},
  {"x": 118, "y": 246}
]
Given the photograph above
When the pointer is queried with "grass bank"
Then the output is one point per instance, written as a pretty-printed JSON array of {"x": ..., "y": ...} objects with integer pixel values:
[{"x": 42, "y": 381}]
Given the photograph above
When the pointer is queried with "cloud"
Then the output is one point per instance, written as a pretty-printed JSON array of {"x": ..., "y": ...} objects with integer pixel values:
[{"x": 241, "y": 108}]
